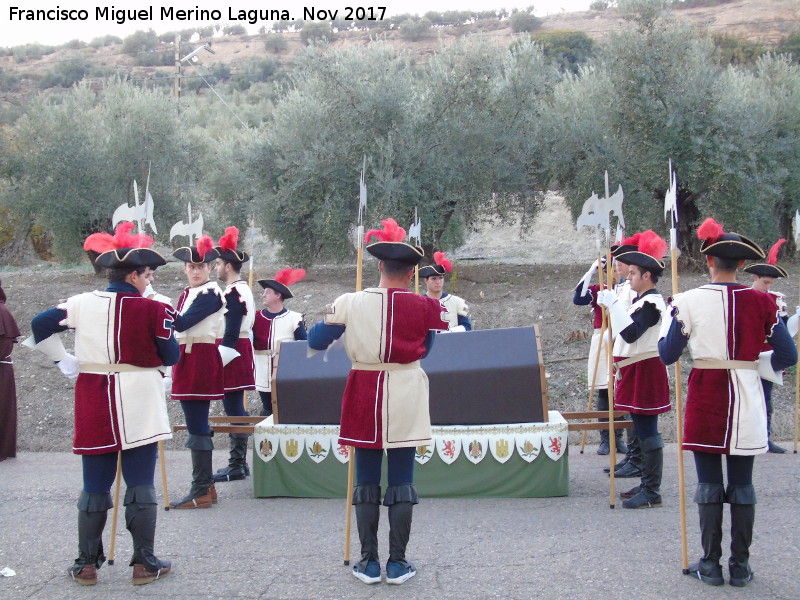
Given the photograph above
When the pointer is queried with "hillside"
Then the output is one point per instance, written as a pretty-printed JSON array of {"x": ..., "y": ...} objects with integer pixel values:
[{"x": 765, "y": 22}]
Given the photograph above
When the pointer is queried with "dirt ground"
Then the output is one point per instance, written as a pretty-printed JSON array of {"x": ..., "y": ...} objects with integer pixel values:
[{"x": 505, "y": 293}]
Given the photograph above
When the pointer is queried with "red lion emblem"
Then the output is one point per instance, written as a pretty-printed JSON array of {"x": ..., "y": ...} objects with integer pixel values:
[
  {"x": 555, "y": 445},
  {"x": 449, "y": 448}
]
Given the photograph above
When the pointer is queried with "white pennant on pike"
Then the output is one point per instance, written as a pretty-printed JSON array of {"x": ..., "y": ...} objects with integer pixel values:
[
  {"x": 141, "y": 214},
  {"x": 192, "y": 228}
]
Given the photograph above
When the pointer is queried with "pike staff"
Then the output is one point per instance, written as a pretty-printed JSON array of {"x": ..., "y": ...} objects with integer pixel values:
[
  {"x": 671, "y": 209},
  {"x": 351, "y": 463},
  {"x": 114, "y": 512}
]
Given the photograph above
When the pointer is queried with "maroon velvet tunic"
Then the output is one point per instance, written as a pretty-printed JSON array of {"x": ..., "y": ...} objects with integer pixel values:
[{"x": 9, "y": 332}]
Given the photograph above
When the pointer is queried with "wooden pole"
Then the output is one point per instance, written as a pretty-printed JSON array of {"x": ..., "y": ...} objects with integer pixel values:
[
  {"x": 161, "y": 459},
  {"x": 113, "y": 542},
  {"x": 679, "y": 425},
  {"x": 351, "y": 461},
  {"x": 612, "y": 440},
  {"x": 600, "y": 348},
  {"x": 796, "y": 396}
]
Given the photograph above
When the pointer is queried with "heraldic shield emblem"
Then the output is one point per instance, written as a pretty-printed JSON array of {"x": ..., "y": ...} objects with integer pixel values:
[
  {"x": 318, "y": 447},
  {"x": 291, "y": 447},
  {"x": 423, "y": 454},
  {"x": 340, "y": 451},
  {"x": 475, "y": 448},
  {"x": 529, "y": 445},
  {"x": 502, "y": 447},
  {"x": 555, "y": 444},
  {"x": 448, "y": 448}
]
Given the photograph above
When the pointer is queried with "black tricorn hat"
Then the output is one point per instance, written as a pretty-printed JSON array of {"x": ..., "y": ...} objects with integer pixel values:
[
  {"x": 647, "y": 253},
  {"x": 203, "y": 252},
  {"x": 398, "y": 252},
  {"x": 769, "y": 268},
  {"x": 431, "y": 270},
  {"x": 226, "y": 249},
  {"x": 735, "y": 246},
  {"x": 121, "y": 258},
  {"x": 283, "y": 279}
]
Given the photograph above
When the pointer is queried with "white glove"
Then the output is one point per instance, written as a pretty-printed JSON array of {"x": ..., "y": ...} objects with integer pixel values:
[
  {"x": 587, "y": 277},
  {"x": 458, "y": 328},
  {"x": 792, "y": 323},
  {"x": 765, "y": 370},
  {"x": 69, "y": 366},
  {"x": 227, "y": 354},
  {"x": 606, "y": 297},
  {"x": 167, "y": 385}
]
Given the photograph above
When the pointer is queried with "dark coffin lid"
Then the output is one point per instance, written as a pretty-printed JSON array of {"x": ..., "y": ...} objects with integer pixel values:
[{"x": 481, "y": 377}]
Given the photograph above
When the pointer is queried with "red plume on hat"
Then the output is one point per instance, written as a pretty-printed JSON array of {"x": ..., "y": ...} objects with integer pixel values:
[
  {"x": 631, "y": 241},
  {"x": 230, "y": 239},
  {"x": 772, "y": 257},
  {"x": 652, "y": 244},
  {"x": 289, "y": 276},
  {"x": 122, "y": 238},
  {"x": 441, "y": 259},
  {"x": 709, "y": 231},
  {"x": 204, "y": 245},
  {"x": 391, "y": 232}
]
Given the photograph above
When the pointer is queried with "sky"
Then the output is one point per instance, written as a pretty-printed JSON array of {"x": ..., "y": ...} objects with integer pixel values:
[{"x": 98, "y": 20}]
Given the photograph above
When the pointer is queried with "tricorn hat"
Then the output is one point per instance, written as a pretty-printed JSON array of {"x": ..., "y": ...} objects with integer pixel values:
[
  {"x": 770, "y": 268},
  {"x": 627, "y": 245},
  {"x": 123, "y": 249},
  {"x": 226, "y": 249},
  {"x": 649, "y": 251},
  {"x": 391, "y": 245},
  {"x": 203, "y": 252},
  {"x": 283, "y": 279},
  {"x": 716, "y": 242},
  {"x": 442, "y": 266}
]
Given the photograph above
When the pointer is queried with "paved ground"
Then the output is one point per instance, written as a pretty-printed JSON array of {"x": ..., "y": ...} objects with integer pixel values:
[{"x": 573, "y": 547}]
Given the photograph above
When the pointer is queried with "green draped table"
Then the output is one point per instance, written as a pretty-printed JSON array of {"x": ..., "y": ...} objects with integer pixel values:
[{"x": 521, "y": 460}]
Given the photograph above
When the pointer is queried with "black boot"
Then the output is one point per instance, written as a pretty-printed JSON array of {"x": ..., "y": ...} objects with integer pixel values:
[
  {"x": 601, "y": 404},
  {"x": 367, "y": 500},
  {"x": 622, "y": 447},
  {"x": 92, "y": 514},
  {"x": 141, "y": 508},
  {"x": 199, "y": 495},
  {"x": 237, "y": 463},
  {"x": 631, "y": 466},
  {"x": 742, "y": 499},
  {"x": 649, "y": 495},
  {"x": 709, "y": 498},
  {"x": 401, "y": 500}
]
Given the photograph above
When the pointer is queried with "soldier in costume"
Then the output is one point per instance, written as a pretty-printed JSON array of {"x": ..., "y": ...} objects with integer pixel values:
[
  {"x": 9, "y": 332},
  {"x": 197, "y": 379},
  {"x": 457, "y": 309},
  {"x": 385, "y": 403},
  {"x": 642, "y": 385},
  {"x": 273, "y": 325},
  {"x": 236, "y": 348},
  {"x": 586, "y": 294},
  {"x": 121, "y": 340},
  {"x": 764, "y": 275},
  {"x": 724, "y": 324}
]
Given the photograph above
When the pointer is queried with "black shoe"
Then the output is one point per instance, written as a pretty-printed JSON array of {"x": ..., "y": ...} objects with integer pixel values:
[
  {"x": 603, "y": 449},
  {"x": 775, "y": 449},
  {"x": 708, "y": 574},
  {"x": 740, "y": 573},
  {"x": 641, "y": 500},
  {"x": 622, "y": 447},
  {"x": 627, "y": 471},
  {"x": 229, "y": 474},
  {"x": 630, "y": 493}
]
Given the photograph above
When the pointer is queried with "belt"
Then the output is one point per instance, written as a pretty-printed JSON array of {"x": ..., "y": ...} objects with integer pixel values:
[
  {"x": 6, "y": 362},
  {"x": 634, "y": 359},
  {"x": 358, "y": 366},
  {"x": 115, "y": 368},
  {"x": 244, "y": 334},
  {"x": 712, "y": 363},
  {"x": 265, "y": 352},
  {"x": 201, "y": 339}
]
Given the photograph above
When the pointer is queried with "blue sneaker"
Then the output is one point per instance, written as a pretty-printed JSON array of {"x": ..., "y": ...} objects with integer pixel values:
[
  {"x": 370, "y": 575},
  {"x": 399, "y": 572}
]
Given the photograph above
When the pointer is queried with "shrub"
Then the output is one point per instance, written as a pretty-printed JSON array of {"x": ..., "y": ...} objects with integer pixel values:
[
  {"x": 524, "y": 21},
  {"x": 314, "y": 31},
  {"x": 275, "y": 42},
  {"x": 415, "y": 30}
]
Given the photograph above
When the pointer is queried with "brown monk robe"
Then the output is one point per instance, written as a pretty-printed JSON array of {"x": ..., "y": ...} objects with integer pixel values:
[{"x": 9, "y": 332}]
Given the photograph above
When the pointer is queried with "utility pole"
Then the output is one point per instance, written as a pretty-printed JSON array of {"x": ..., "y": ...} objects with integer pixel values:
[{"x": 177, "y": 66}]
